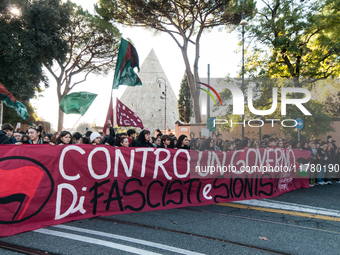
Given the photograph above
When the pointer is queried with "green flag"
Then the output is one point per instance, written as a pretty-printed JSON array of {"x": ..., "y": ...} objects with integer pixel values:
[
  {"x": 10, "y": 101},
  {"x": 126, "y": 61},
  {"x": 77, "y": 102}
]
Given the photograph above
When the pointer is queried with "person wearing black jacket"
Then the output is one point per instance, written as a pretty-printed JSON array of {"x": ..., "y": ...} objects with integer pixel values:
[
  {"x": 144, "y": 138},
  {"x": 8, "y": 128},
  {"x": 109, "y": 139},
  {"x": 320, "y": 161},
  {"x": 182, "y": 142},
  {"x": 3, "y": 138},
  {"x": 165, "y": 142}
]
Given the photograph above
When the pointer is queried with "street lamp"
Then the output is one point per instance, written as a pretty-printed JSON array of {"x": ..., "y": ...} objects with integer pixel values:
[
  {"x": 161, "y": 81},
  {"x": 243, "y": 23}
]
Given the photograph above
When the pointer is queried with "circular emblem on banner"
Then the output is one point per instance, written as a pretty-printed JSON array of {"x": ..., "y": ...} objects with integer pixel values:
[{"x": 26, "y": 186}]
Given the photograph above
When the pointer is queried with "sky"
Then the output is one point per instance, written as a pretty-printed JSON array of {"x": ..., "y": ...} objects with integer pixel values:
[{"x": 217, "y": 49}]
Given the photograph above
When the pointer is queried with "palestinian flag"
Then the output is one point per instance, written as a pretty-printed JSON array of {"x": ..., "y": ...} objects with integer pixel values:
[
  {"x": 10, "y": 101},
  {"x": 126, "y": 61}
]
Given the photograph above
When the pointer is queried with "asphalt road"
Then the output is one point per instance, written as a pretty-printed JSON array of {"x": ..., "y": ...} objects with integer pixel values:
[{"x": 211, "y": 229}]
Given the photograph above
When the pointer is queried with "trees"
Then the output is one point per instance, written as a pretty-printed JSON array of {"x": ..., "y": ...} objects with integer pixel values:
[
  {"x": 298, "y": 41},
  {"x": 183, "y": 21},
  {"x": 295, "y": 45},
  {"x": 29, "y": 38},
  {"x": 92, "y": 48},
  {"x": 81, "y": 128},
  {"x": 184, "y": 101}
]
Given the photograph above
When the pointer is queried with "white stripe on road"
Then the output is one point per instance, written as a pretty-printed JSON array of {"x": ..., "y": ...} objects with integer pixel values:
[
  {"x": 95, "y": 241},
  {"x": 289, "y": 207},
  {"x": 129, "y": 239}
]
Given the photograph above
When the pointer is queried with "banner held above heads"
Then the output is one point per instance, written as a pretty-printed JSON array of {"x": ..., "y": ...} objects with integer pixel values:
[
  {"x": 126, "y": 117},
  {"x": 52, "y": 185},
  {"x": 126, "y": 61},
  {"x": 10, "y": 101},
  {"x": 77, "y": 102}
]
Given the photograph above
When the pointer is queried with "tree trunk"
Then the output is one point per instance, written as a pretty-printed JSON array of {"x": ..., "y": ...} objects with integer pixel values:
[
  {"x": 60, "y": 120},
  {"x": 192, "y": 87}
]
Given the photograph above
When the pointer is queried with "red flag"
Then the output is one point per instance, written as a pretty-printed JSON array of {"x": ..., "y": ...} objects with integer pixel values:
[
  {"x": 109, "y": 116},
  {"x": 126, "y": 117},
  {"x": 4, "y": 91}
]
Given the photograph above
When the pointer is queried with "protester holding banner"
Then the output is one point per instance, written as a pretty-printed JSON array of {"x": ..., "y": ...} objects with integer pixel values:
[
  {"x": 35, "y": 135},
  {"x": 182, "y": 142},
  {"x": 84, "y": 140},
  {"x": 165, "y": 142},
  {"x": 65, "y": 137},
  {"x": 17, "y": 135},
  {"x": 8, "y": 128},
  {"x": 208, "y": 145},
  {"x": 47, "y": 138},
  {"x": 144, "y": 138},
  {"x": 54, "y": 137},
  {"x": 131, "y": 133},
  {"x": 76, "y": 138},
  {"x": 95, "y": 138},
  {"x": 124, "y": 142},
  {"x": 228, "y": 146},
  {"x": 3, "y": 138}
]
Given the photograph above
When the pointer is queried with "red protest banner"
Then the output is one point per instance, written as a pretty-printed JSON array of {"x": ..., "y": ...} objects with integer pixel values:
[{"x": 56, "y": 184}]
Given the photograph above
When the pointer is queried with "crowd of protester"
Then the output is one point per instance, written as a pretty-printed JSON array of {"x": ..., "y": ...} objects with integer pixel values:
[{"x": 325, "y": 155}]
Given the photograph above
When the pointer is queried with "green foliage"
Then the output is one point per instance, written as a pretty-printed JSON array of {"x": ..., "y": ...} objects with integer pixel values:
[
  {"x": 29, "y": 39},
  {"x": 297, "y": 41},
  {"x": 293, "y": 39},
  {"x": 184, "y": 101},
  {"x": 327, "y": 93}
]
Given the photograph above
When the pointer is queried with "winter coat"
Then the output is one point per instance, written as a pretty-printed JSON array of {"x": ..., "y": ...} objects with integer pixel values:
[
  {"x": 3, "y": 138},
  {"x": 142, "y": 142}
]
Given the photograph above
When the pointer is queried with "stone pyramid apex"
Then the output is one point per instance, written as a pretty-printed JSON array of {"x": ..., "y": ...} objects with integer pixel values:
[{"x": 151, "y": 64}]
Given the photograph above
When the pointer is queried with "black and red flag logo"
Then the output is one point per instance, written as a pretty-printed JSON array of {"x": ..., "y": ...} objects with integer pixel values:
[{"x": 25, "y": 187}]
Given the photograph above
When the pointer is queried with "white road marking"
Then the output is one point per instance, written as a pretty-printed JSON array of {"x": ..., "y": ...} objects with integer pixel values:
[
  {"x": 129, "y": 239},
  {"x": 95, "y": 241},
  {"x": 289, "y": 207}
]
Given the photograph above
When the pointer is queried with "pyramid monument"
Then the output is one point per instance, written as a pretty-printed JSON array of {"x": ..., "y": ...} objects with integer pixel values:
[{"x": 146, "y": 101}]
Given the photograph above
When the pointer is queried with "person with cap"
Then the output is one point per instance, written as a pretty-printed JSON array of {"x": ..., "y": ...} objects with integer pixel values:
[
  {"x": 95, "y": 138},
  {"x": 8, "y": 128}
]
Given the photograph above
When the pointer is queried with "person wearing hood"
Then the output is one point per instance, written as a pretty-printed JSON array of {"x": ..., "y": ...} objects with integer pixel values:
[
  {"x": 8, "y": 128},
  {"x": 144, "y": 138},
  {"x": 3, "y": 138}
]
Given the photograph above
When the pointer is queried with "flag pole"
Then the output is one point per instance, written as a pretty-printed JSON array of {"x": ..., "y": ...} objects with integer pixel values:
[
  {"x": 113, "y": 120},
  {"x": 76, "y": 123}
]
